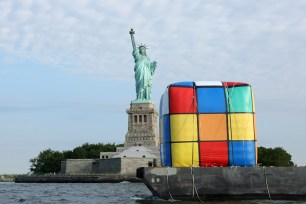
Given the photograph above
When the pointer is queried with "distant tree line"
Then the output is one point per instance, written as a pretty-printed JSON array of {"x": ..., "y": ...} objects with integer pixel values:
[{"x": 49, "y": 161}]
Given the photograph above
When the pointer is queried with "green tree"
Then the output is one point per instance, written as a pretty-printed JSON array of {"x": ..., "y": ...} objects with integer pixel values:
[
  {"x": 79, "y": 153},
  {"x": 274, "y": 157},
  {"x": 46, "y": 162},
  {"x": 68, "y": 154},
  {"x": 120, "y": 145},
  {"x": 93, "y": 150}
]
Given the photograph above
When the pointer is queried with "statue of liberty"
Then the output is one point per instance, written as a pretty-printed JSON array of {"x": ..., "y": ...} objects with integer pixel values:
[{"x": 144, "y": 70}]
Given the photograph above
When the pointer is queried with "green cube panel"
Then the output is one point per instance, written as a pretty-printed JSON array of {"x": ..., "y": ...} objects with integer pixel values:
[{"x": 239, "y": 99}]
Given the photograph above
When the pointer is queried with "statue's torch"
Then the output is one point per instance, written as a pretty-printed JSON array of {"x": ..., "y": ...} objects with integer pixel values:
[{"x": 132, "y": 32}]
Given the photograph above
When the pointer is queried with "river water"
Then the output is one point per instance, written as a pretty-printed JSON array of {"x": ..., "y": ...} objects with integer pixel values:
[{"x": 94, "y": 193}]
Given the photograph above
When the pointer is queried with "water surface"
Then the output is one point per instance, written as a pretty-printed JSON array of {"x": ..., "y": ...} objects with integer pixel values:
[{"x": 94, "y": 193}]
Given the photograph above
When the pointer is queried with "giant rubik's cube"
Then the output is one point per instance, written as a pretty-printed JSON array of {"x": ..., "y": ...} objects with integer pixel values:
[{"x": 208, "y": 123}]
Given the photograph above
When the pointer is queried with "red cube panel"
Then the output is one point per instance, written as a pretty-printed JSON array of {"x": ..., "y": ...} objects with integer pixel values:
[
  {"x": 213, "y": 154},
  {"x": 182, "y": 100},
  {"x": 231, "y": 84}
]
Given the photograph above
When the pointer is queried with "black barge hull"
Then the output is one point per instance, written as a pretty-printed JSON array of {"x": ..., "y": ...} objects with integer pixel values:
[{"x": 215, "y": 183}]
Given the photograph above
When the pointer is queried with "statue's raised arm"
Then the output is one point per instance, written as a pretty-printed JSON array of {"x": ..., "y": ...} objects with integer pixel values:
[{"x": 132, "y": 32}]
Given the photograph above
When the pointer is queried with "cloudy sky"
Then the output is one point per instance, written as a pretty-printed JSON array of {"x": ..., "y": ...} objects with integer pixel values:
[{"x": 66, "y": 69}]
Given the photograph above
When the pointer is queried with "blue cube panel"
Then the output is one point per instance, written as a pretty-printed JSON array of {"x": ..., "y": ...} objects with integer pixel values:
[
  {"x": 165, "y": 152},
  {"x": 242, "y": 153},
  {"x": 211, "y": 100},
  {"x": 165, "y": 122}
]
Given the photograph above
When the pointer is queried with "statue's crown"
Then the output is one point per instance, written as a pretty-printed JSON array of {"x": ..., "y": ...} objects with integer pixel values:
[{"x": 143, "y": 45}]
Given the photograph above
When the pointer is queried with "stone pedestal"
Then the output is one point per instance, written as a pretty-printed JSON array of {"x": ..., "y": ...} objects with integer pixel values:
[{"x": 142, "y": 125}]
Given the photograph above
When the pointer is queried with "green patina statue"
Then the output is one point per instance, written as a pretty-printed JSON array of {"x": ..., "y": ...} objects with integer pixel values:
[{"x": 144, "y": 70}]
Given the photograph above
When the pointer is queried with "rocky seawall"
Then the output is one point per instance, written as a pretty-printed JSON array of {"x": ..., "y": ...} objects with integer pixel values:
[{"x": 76, "y": 179}]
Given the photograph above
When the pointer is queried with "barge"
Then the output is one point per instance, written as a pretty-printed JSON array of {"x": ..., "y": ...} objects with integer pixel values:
[{"x": 219, "y": 183}]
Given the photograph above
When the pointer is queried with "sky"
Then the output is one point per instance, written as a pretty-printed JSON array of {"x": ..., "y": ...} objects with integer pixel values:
[{"x": 66, "y": 67}]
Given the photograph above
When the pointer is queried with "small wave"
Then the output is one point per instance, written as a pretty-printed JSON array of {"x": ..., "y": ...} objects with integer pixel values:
[
  {"x": 21, "y": 200},
  {"x": 136, "y": 198},
  {"x": 125, "y": 182},
  {"x": 144, "y": 197},
  {"x": 62, "y": 200}
]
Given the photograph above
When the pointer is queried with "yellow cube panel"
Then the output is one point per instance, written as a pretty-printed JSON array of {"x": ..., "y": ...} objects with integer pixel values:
[
  {"x": 241, "y": 126},
  {"x": 183, "y": 127},
  {"x": 212, "y": 127},
  {"x": 185, "y": 154}
]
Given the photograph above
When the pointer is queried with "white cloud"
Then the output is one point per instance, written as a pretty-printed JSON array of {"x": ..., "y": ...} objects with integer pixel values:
[{"x": 210, "y": 40}]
